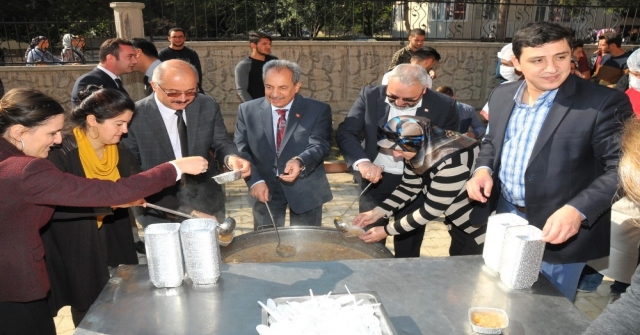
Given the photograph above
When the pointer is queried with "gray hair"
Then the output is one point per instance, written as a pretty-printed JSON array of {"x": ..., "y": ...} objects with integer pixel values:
[
  {"x": 160, "y": 70},
  {"x": 279, "y": 64},
  {"x": 409, "y": 74}
]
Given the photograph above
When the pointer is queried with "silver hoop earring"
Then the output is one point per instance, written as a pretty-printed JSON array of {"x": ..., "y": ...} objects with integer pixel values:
[{"x": 22, "y": 142}]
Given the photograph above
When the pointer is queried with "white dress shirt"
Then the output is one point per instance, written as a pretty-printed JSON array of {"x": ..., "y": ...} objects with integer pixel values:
[{"x": 171, "y": 123}]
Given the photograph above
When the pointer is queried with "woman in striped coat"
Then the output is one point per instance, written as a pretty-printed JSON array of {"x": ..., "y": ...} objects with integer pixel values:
[{"x": 438, "y": 163}]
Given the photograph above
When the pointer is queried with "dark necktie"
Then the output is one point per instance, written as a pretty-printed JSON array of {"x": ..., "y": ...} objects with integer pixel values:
[
  {"x": 282, "y": 124},
  {"x": 145, "y": 80},
  {"x": 120, "y": 87},
  {"x": 182, "y": 133}
]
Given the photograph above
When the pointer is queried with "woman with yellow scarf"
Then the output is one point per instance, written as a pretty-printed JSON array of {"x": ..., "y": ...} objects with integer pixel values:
[{"x": 81, "y": 243}]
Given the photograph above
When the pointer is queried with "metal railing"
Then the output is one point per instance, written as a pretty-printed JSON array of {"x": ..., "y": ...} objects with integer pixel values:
[
  {"x": 16, "y": 36},
  {"x": 474, "y": 20}
]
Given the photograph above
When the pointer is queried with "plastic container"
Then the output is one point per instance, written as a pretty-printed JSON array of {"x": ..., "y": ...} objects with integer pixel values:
[
  {"x": 164, "y": 254},
  {"x": 486, "y": 320}
]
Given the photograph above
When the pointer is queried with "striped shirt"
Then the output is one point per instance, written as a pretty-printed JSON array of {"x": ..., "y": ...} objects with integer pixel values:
[
  {"x": 520, "y": 137},
  {"x": 445, "y": 193}
]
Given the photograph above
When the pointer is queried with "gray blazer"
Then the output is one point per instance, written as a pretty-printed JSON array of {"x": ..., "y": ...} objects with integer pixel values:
[
  {"x": 307, "y": 135},
  {"x": 574, "y": 161},
  {"x": 149, "y": 143}
]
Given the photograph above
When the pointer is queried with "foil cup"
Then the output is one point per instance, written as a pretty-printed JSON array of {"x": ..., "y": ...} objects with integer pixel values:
[
  {"x": 201, "y": 250},
  {"x": 164, "y": 255},
  {"x": 496, "y": 228},
  {"x": 522, "y": 253}
]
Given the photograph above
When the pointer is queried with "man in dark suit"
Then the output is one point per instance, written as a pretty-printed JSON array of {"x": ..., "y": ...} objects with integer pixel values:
[
  {"x": 116, "y": 57},
  {"x": 286, "y": 137},
  {"x": 552, "y": 152},
  {"x": 177, "y": 122},
  {"x": 147, "y": 57},
  {"x": 406, "y": 94}
]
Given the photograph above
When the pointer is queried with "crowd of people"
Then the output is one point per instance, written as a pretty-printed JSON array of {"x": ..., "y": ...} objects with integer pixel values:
[{"x": 80, "y": 180}]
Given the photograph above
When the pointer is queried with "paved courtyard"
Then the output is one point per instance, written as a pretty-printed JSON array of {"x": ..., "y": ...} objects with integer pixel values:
[{"x": 436, "y": 240}]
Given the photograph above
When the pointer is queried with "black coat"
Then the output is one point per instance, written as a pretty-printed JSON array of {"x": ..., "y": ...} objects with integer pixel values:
[{"x": 77, "y": 252}]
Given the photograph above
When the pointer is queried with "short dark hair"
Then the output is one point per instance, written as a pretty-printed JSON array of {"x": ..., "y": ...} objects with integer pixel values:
[
  {"x": 176, "y": 29},
  {"x": 256, "y": 37},
  {"x": 445, "y": 90},
  {"x": 148, "y": 49},
  {"x": 417, "y": 31},
  {"x": 112, "y": 47},
  {"x": 611, "y": 38},
  {"x": 577, "y": 44},
  {"x": 27, "y": 107},
  {"x": 103, "y": 103},
  {"x": 539, "y": 33},
  {"x": 426, "y": 53}
]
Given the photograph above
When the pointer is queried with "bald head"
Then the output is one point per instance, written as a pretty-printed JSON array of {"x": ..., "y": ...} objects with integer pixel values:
[{"x": 175, "y": 83}]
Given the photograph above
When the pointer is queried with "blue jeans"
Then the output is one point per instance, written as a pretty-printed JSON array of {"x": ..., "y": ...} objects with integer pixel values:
[{"x": 564, "y": 277}]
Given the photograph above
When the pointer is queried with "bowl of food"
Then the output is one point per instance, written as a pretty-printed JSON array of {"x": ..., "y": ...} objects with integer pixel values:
[{"x": 485, "y": 320}]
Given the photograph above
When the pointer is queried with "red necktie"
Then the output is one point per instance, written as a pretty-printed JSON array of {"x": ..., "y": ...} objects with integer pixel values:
[{"x": 282, "y": 124}]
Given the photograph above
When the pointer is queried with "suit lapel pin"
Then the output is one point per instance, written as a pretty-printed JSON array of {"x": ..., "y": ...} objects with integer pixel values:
[
  {"x": 426, "y": 110},
  {"x": 297, "y": 115}
]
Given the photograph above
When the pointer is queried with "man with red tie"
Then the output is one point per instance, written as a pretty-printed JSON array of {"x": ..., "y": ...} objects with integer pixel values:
[{"x": 286, "y": 137}]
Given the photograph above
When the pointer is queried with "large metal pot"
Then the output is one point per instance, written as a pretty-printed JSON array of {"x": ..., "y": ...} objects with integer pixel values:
[{"x": 311, "y": 243}]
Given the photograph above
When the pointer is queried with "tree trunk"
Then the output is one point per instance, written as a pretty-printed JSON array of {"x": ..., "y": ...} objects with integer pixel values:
[{"x": 503, "y": 12}]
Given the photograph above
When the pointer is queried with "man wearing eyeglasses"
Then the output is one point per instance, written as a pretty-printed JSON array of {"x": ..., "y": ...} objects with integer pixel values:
[
  {"x": 406, "y": 94},
  {"x": 176, "y": 121},
  {"x": 177, "y": 50}
]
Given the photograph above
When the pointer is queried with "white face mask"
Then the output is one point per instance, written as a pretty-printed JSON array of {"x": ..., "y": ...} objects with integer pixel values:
[
  {"x": 634, "y": 82},
  {"x": 509, "y": 73}
]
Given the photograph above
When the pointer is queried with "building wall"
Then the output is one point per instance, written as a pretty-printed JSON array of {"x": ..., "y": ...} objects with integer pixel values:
[{"x": 333, "y": 72}]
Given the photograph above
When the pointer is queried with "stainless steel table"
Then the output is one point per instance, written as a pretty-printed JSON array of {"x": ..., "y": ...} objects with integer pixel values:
[{"x": 421, "y": 296}]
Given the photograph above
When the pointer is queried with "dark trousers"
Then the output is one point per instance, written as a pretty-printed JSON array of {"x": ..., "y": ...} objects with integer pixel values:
[
  {"x": 462, "y": 243},
  {"x": 26, "y": 318},
  {"x": 278, "y": 206},
  {"x": 407, "y": 244}
]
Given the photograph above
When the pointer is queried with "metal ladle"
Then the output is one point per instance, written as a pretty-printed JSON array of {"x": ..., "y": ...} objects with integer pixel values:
[
  {"x": 282, "y": 250},
  {"x": 342, "y": 226},
  {"x": 225, "y": 228}
]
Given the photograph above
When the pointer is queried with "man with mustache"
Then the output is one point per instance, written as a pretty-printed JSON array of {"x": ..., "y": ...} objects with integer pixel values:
[
  {"x": 406, "y": 94},
  {"x": 177, "y": 121},
  {"x": 286, "y": 137}
]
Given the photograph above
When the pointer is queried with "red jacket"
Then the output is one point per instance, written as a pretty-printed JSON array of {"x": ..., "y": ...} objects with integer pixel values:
[{"x": 30, "y": 188}]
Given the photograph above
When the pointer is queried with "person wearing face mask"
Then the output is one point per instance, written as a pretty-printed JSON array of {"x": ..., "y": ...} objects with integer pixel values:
[
  {"x": 438, "y": 164},
  {"x": 406, "y": 94},
  {"x": 507, "y": 71}
]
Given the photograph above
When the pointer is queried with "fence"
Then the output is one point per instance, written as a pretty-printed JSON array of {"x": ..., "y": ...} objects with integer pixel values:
[
  {"x": 16, "y": 36},
  {"x": 472, "y": 20}
]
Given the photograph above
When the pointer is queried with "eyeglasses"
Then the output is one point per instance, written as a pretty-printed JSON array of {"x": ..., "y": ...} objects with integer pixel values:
[
  {"x": 178, "y": 94},
  {"x": 406, "y": 143},
  {"x": 394, "y": 98}
]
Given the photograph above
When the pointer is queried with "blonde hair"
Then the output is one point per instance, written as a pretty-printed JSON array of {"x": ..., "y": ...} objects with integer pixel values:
[{"x": 629, "y": 168}]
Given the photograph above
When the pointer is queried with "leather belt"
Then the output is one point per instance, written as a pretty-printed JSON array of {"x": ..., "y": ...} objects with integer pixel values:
[{"x": 520, "y": 209}]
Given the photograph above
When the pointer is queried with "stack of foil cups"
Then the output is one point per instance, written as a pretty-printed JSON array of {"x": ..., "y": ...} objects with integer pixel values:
[
  {"x": 521, "y": 257},
  {"x": 514, "y": 249},
  {"x": 494, "y": 238},
  {"x": 201, "y": 250},
  {"x": 164, "y": 254}
]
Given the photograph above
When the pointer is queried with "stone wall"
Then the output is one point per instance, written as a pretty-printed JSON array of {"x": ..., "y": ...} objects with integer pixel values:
[{"x": 333, "y": 72}]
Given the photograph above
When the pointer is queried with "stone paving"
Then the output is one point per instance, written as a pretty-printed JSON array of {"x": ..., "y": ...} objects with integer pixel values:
[{"x": 435, "y": 244}]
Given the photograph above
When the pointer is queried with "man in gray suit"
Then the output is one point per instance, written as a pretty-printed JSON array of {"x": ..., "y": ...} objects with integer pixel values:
[
  {"x": 286, "y": 137},
  {"x": 175, "y": 121}
]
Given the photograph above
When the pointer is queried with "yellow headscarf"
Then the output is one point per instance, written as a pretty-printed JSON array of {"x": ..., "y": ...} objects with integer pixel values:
[{"x": 94, "y": 167}]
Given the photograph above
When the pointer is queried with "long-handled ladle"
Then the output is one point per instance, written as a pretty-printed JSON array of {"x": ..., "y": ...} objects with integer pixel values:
[{"x": 282, "y": 250}]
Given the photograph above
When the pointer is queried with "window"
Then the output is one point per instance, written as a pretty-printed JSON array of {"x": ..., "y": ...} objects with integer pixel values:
[{"x": 447, "y": 11}]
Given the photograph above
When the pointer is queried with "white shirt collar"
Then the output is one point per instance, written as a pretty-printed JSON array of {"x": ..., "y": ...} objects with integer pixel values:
[{"x": 113, "y": 76}]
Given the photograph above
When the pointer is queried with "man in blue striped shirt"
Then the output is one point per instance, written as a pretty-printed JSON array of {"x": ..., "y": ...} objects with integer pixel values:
[{"x": 552, "y": 152}]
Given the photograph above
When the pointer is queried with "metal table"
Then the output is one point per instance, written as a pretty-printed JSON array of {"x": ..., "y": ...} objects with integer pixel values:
[{"x": 420, "y": 295}]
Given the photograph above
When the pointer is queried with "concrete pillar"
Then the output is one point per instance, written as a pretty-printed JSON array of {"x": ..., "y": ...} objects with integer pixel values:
[{"x": 128, "y": 17}]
